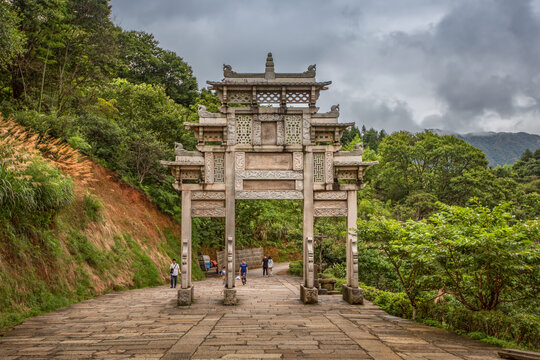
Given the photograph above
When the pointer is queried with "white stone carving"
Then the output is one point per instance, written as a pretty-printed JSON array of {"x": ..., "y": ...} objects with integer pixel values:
[
  {"x": 269, "y": 117},
  {"x": 306, "y": 131},
  {"x": 209, "y": 168},
  {"x": 238, "y": 184},
  {"x": 330, "y": 195},
  {"x": 231, "y": 130},
  {"x": 329, "y": 212},
  {"x": 270, "y": 175},
  {"x": 256, "y": 133},
  {"x": 299, "y": 185},
  {"x": 329, "y": 171},
  {"x": 310, "y": 257},
  {"x": 293, "y": 129},
  {"x": 270, "y": 194},
  {"x": 217, "y": 212},
  {"x": 240, "y": 161},
  {"x": 207, "y": 195},
  {"x": 298, "y": 161},
  {"x": 279, "y": 133}
]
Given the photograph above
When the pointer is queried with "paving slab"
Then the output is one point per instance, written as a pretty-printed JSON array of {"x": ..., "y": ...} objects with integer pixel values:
[{"x": 269, "y": 322}]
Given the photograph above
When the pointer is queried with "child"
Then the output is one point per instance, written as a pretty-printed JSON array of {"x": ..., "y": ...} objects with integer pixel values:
[
  {"x": 222, "y": 273},
  {"x": 243, "y": 270}
]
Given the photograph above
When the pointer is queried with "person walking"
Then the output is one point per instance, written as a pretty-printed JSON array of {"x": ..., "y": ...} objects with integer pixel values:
[
  {"x": 174, "y": 272},
  {"x": 270, "y": 265},
  {"x": 223, "y": 273},
  {"x": 265, "y": 266},
  {"x": 243, "y": 271}
]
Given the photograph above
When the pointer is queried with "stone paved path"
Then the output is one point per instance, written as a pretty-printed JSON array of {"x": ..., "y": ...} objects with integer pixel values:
[{"x": 269, "y": 323}]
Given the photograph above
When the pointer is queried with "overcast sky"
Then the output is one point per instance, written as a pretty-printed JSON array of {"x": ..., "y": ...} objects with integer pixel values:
[{"x": 464, "y": 66}]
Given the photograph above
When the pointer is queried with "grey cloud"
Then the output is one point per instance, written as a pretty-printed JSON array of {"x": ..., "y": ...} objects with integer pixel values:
[{"x": 394, "y": 64}]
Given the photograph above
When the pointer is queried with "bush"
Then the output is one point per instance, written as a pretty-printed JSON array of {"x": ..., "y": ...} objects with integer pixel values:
[
  {"x": 296, "y": 268},
  {"x": 494, "y": 327}
]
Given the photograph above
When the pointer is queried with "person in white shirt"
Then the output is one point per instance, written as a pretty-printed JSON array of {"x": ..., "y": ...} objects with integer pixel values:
[
  {"x": 270, "y": 265},
  {"x": 174, "y": 272}
]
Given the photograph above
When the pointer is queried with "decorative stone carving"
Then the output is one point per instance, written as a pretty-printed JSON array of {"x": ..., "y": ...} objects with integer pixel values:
[
  {"x": 310, "y": 71},
  {"x": 293, "y": 129},
  {"x": 299, "y": 185},
  {"x": 269, "y": 97},
  {"x": 279, "y": 133},
  {"x": 329, "y": 171},
  {"x": 306, "y": 131},
  {"x": 190, "y": 175},
  {"x": 318, "y": 167},
  {"x": 231, "y": 130},
  {"x": 228, "y": 71},
  {"x": 298, "y": 97},
  {"x": 310, "y": 260},
  {"x": 202, "y": 112},
  {"x": 219, "y": 168},
  {"x": 238, "y": 184},
  {"x": 207, "y": 204},
  {"x": 240, "y": 161},
  {"x": 298, "y": 161},
  {"x": 239, "y": 97},
  {"x": 184, "y": 258},
  {"x": 269, "y": 117},
  {"x": 217, "y": 212},
  {"x": 330, "y": 212},
  {"x": 208, "y": 195},
  {"x": 209, "y": 167},
  {"x": 270, "y": 194},
  {"x": 256, "y": 133},
  {"x": 230, "y": 262},
  {"x": 330, "y": 195},
  {"x": 269, "y": 175},
  {"x": 244, "y": 129}
]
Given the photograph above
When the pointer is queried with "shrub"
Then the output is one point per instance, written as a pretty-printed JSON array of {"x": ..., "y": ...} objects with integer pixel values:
[{"x": 296, "y": 268}]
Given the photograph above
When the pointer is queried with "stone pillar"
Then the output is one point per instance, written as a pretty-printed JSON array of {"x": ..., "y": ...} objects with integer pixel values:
[
  {"x": 230, "y": 201},
  {"x": 185, "y": 294},
  {"x": 308, "y": 294},
  {"x": 351, "y": 292}
]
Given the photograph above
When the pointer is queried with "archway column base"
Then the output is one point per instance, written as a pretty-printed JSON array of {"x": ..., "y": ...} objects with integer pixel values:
[
  {"x": 309, "y": 295},
  {"x": 352, "y": 295},
  {"x": 185, "y": 296},
  {"x": 229, "y": 297}
]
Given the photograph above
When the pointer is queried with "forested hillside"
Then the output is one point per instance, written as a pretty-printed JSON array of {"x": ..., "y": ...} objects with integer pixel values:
[{"x": 500, "y": 147}]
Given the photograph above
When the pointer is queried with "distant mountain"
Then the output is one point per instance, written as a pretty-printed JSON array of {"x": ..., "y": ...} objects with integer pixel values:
[{"x": 500, "y": 147}]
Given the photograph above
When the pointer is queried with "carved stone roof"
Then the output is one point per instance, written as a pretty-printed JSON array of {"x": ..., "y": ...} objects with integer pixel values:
[{"x": 269, "y": 77}]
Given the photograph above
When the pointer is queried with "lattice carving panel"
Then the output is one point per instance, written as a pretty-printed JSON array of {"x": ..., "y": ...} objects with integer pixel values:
[
  {"x": 318, "y": 167},
  {"x": 244, "y": 129},
  {"x": 239, "y": 97},
  {"x": 297, "y": 97},
  {"x": 268, "y": 97},
  {"x": 293, "y": 130},
  {"x": 219, "y": 168}
]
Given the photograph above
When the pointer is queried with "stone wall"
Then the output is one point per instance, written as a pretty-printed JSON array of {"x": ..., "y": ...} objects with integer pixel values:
[{"x": 253, "y": 258}]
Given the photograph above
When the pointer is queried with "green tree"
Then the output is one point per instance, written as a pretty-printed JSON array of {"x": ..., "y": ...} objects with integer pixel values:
[
  {"x": 145, "y": 62},
  {"x": 428, "y": 163},
  {"x": 484, "y": 257},
  {"x": 12, "y": 39},
  {"x": 404, "y": 250}
]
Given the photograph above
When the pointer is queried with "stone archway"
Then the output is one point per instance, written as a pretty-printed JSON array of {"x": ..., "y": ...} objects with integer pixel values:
[{"x": 271, "y": 144}]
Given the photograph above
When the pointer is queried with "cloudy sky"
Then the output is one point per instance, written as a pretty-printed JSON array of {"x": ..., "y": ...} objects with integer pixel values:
[{"x": 459, "y": 65}]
